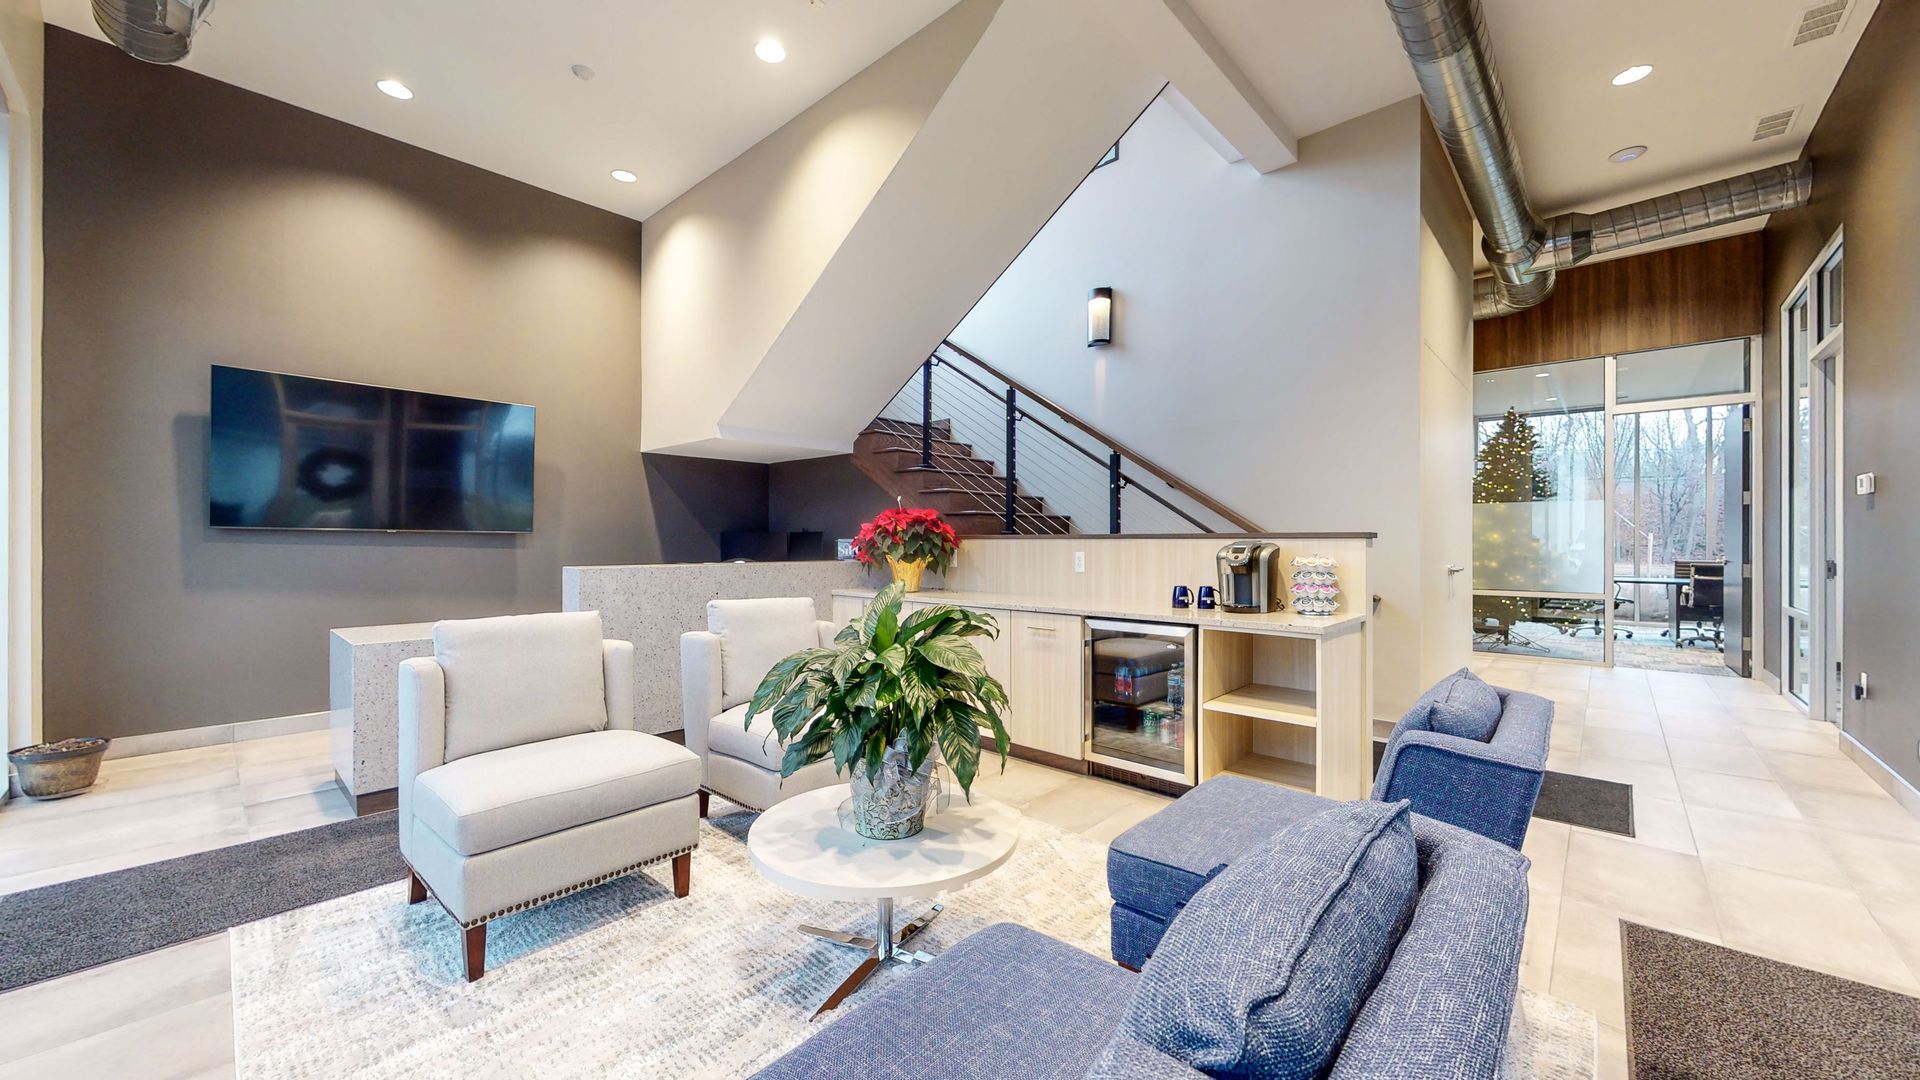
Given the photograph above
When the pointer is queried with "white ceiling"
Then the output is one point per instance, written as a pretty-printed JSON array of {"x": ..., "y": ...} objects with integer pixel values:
[
  {"x": 1718, "y": 66},
  {"x": 678, "y": 91}
]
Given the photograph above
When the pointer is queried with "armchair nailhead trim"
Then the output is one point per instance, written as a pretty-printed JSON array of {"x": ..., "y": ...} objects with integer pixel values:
[{"x": 571, "y": 889}]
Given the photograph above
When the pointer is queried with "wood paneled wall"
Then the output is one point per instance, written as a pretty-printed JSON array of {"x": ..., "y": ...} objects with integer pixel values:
[{"x": 1679, "y": 296}]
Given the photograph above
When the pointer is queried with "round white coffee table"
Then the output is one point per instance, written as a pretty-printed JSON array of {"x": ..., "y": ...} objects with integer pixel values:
[{"x": 801, "y": 846}]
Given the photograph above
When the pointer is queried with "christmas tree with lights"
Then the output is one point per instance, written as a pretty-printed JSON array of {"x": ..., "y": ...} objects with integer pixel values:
[{"x": 1504, "y": 471}]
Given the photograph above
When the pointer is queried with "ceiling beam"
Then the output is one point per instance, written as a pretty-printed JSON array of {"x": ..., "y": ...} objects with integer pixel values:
[{"x": 1236, "y": 120}]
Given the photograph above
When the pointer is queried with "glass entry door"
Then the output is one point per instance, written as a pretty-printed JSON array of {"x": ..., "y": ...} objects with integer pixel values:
[{"x": 1811, "y": 523}]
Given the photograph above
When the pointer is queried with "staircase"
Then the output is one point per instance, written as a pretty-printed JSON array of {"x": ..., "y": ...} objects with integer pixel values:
[
  {"x": 967, "y": 489},
  {"x": 994, "y": 457}
]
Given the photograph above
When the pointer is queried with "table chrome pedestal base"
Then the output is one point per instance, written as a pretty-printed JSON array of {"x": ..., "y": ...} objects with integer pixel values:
[{"x": 885, "y": 945}]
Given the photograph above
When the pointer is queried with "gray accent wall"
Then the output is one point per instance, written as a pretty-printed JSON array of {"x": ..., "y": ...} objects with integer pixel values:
[
  {"x": 190, "y": 223},
  {"x": 1866, "y": 177}
]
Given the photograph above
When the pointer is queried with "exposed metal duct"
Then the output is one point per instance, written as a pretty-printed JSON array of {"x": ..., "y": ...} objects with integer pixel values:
[
  {"x": 1446, "y": 40},
  {"x": 157, "y": 31},
  {"x": 1575, "y": 238}
]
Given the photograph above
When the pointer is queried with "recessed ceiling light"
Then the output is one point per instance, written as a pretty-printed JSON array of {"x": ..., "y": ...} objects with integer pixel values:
[
  {"x": 1633, "y": 75},
  {"x": 770, "y": 50},
  {"x": 1626, "y": 154},
  {"x": 1553, "y": 399},
  {"x": 1542, "y": 374},
  {"x": 624, "y": 176},
  {"x": 394, "y": 88}
]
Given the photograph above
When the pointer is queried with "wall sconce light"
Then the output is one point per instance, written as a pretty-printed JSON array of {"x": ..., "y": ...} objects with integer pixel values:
[{"x": 1100, "y": 317}]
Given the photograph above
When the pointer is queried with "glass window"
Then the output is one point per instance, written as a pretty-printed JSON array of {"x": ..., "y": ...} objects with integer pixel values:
[
  {"x": 1539, "y": 515},
  {"x": 1669, "y": 505},
  {"x": 1540, "y": 626},
  {"x": 1833, "y": 293},
  {"x": 1799, "y": 563},
  {"x": 1717, "y": 367}
]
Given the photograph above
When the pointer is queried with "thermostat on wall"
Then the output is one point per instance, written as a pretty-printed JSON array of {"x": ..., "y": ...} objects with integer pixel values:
[{"x": 1863, "y": 484}]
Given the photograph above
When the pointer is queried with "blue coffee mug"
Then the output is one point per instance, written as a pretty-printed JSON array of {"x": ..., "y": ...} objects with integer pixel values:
[
  {"x": 1182, "y": 596},
  {"x": 1206, "y": 597}
]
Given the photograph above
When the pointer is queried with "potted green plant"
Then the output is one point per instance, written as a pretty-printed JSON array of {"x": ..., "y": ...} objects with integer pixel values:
[
  {"x": 909, "y": 541},
  {"x": 888, "y": 699}
]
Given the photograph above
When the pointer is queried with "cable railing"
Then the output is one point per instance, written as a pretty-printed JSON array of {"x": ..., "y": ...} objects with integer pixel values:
[{"x": 1054, "y": 466}]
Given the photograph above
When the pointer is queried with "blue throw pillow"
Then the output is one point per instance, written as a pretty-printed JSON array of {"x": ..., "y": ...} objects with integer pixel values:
[
  {"x": 1465, "y": 706},
  {"x": 1265, "y": 968}
]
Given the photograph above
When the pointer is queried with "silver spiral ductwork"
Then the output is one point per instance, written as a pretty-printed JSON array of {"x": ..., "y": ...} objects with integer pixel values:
[
  {"x": 157, "y": 31},
  {"x": 1446, "y": 40}
]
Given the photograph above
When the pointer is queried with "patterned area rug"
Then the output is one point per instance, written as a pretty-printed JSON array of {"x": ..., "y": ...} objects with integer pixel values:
[{"x": 624, "y": 980}]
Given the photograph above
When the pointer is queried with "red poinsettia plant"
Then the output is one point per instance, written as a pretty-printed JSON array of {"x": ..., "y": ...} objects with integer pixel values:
[{"x": 907, "y": 535}]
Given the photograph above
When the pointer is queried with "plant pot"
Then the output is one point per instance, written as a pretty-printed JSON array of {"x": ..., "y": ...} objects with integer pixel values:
[
  {"x": 907, "y": 573},
  {"x": 893, "y": 805},
  {"x": 60, "y": 769}
]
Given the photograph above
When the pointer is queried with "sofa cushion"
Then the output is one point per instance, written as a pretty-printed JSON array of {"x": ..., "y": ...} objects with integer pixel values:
[
  {"x": 1158, "y": 864},
  {"x": 754, "y": 636},
  {"x": 1463, "y": 705},
  {"x": 1263, "y": 971},
  {"x": 488, "y": 801},
  {"x": 519, "y": 679},
  {"x": 757, "y": 745}
]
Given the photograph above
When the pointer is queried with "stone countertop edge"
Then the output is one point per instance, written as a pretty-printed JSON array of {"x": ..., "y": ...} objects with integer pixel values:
[{"x": 1289, "y": 623}]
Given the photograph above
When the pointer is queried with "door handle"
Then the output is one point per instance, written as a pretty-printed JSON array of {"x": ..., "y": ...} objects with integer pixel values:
[{"x": 1455, "y": 568}]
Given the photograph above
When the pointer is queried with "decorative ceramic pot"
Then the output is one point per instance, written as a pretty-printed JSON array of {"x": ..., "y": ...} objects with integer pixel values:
[
  {"x": 893, "y": 805},
  {"x": 907, "y": 573},
  {"x": 57, "y": 770}
]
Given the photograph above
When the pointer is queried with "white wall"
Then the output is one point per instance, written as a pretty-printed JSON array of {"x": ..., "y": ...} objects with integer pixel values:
[
  {"x": 724, "y": 266},
  {"x": 1268, "y": 343},
  {"x": 22, "y": 83}
]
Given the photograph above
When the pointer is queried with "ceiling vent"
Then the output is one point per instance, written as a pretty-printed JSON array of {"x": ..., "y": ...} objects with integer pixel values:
[
  {"x": 157, "y": 31},
  {"x": 1774, "y": 124},
  {"x": 1821, "y": 20}
]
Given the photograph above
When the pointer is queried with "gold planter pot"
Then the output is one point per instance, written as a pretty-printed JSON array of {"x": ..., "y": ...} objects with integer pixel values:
[{"x": 907, "y": 573}]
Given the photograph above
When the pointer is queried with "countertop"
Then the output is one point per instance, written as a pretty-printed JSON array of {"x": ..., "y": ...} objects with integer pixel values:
[
  {"x": 1288, "y": 623},
  {"x": 379, "y": 635}
]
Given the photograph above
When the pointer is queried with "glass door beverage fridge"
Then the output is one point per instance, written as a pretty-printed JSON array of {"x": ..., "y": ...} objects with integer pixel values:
[{"x": 1140, "y": 712}]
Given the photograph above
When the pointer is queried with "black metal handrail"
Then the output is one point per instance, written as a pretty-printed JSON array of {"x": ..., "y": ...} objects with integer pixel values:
[{"x": 1007, "y": 402}]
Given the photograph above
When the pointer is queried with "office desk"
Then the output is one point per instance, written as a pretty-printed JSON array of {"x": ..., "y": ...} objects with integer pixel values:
[{"x": 1674, "y": 585}]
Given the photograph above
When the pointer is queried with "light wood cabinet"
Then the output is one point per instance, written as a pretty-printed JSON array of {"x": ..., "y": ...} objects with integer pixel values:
[{"x": 1047, "y": 695}]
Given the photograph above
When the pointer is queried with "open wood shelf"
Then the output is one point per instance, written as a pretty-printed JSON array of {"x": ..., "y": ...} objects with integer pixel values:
[
  {"x": 1273, "y": 770},
  {"x": 1283, "y": 704}
]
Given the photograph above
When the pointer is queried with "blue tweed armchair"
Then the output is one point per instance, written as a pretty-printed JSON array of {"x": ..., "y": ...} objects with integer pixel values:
[
  {"x": 1010, "y": 1002},
  {"x": 1486, "y": 787}
]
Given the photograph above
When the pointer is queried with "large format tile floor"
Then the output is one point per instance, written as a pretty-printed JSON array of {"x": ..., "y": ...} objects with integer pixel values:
[{"x": 1754, "y": 832}]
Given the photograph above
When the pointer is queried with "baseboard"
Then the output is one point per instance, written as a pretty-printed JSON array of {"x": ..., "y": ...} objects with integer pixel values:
[
  {"x": 161, "y": 742},
  {"x": 1896, "y": 785},
  {"x": 1766, "y": 678}
]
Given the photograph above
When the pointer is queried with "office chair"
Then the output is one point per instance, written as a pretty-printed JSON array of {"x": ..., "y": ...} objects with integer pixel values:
[{"x": 1704, "y": 605}]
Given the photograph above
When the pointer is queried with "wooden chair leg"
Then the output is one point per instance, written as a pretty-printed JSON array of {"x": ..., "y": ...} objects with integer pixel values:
[
  {"x": 704, "y": 797},
  {"x": 416, "y": 889},
  {"x": 473, "y": 948},
  {"x": 683, "y": 874}
]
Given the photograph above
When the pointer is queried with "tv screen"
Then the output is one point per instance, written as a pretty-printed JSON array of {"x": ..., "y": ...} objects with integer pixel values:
[{"x": 290, "y": 452}]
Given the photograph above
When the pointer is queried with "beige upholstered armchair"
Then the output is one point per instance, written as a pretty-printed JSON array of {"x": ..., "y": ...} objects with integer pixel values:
[
  {"x": 720, "y": 667},
  {"x": 522, "y": 778}
]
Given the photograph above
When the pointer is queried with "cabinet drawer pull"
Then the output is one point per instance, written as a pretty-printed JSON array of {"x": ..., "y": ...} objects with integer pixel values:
[{"x": 1044, "y": 629}]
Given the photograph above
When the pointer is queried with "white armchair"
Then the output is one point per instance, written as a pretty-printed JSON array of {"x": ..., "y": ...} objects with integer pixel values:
[
  {"x": 720, "y": 667},
  {"x": 522, "y": 778}
]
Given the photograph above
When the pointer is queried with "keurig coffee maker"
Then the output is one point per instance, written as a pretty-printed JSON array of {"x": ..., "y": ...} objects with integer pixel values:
[{"x": 1249, "y": 576}]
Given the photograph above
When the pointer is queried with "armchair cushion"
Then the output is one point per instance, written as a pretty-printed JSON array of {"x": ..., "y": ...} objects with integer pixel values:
[
  {"x": 754, "y": 636},
  {"x": 1463, "y": 705},
  {"x": 1266, "y": 967},
  {"x": 758, "y": 745},
  {"x": 520, "y": 679},
  {"x": 487, "y": 801}
]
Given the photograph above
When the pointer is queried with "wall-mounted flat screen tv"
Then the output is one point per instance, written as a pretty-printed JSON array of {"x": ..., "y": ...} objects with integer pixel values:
[{"x": 292, "y": 452}]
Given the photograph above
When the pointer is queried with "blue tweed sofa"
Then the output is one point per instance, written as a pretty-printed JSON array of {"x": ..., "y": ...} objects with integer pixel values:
[
  {"x": 1419, "y": 991},
  {"x": 1487, "y": 786}
]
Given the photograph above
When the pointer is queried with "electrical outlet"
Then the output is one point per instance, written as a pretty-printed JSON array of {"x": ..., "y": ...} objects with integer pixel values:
[
  {"x": 1079, "y": 562},
  {"x": 1863, "y": 484}
]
